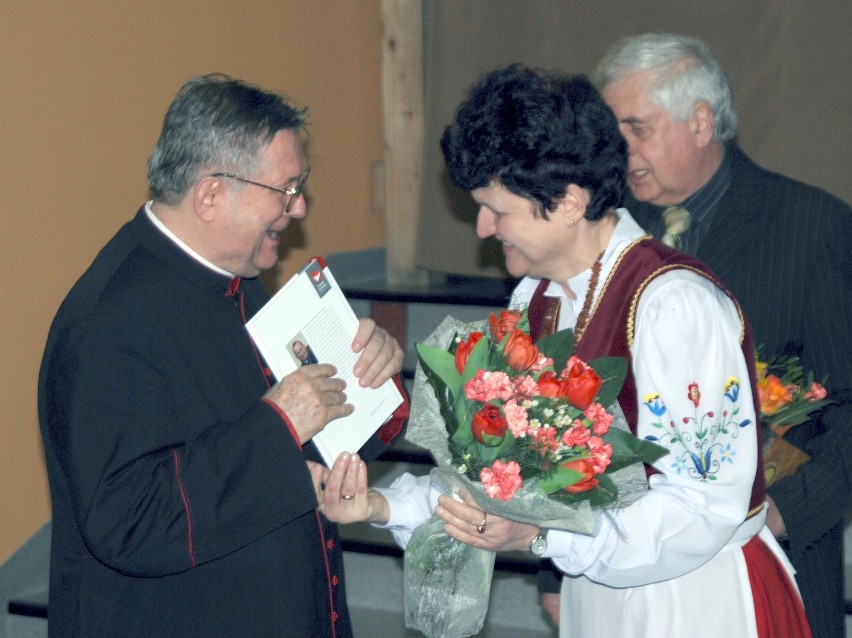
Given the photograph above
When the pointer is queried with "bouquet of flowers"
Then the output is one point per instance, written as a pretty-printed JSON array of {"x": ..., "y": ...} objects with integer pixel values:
[
  {"x": 787, "y": 397},
  {"x": 524, "y": 428}
]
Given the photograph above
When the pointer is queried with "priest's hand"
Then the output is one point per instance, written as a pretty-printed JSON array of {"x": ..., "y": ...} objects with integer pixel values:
[
  {"x": 381, "y": 356},
  {"x": 311, "y": 397}
]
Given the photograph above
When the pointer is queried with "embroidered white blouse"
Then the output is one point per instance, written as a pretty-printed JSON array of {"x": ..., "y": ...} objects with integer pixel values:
[
  {"x": 688, "y": 366},
  {"x": 668, "y": 564}
]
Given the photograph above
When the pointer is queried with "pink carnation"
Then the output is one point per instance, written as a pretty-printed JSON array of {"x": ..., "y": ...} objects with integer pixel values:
[
  {"x": 544, "y": 440},
  {"x": 501, "y": 480},
  {"x": 517, "y": 418},
  {"x": 526, "y": 386},
  {"x": 487, "y": 386},
  {"x": 601, "y": 453},
  {"x": 541, "y": 363},
  {"x": 600, "y": 418},
  {"x": 578, "y": 434}
]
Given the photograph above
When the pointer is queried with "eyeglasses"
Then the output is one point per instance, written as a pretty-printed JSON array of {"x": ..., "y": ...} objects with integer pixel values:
[{"x": 293, "y": 192}]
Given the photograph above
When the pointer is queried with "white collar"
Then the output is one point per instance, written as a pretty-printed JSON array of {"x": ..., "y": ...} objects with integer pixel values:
[{"x": 180, "y": 243}]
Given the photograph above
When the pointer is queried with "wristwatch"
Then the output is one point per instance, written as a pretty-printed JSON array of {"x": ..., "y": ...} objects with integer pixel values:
[{"x": 538, "y": 545}]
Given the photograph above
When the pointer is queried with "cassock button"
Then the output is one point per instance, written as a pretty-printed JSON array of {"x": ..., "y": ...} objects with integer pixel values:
[
  {"x": 330, "y": 544},
  {"x": 335, "y": 580},
  {"x": 334, "y": 616}
]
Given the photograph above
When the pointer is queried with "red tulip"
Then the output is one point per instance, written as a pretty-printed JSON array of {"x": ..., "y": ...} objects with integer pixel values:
[
  {"x": 504, "y": 324},
  {"x": 550, "y": 386},
  {"x": 489, "y": 426},
  {"x": 464, "y": 349},
  {"x": 520, "y": 352},
  {"x": 586, "y": 468},
  {"x": 583, "y": 383}
]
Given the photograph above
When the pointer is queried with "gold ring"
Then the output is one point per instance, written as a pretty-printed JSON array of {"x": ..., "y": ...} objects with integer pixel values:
[
  {"x": 347, "y": 497},
  {"x": 481, "y": 527}
]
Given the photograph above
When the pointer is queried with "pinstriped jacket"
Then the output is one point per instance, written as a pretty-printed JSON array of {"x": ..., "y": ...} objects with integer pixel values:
[{"x": 784, "y": 249}]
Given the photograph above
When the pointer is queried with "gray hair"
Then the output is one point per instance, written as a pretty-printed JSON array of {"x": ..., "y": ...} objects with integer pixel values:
[
  {"x": 215, "y": 123},
  {"x": 683, "y": 72}
]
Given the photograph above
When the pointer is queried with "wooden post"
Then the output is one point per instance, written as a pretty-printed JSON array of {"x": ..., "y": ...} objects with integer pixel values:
[{"x": 402, "y": 84}]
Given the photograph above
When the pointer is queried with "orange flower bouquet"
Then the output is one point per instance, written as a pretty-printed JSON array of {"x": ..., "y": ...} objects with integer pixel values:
[
  {"x": 788, "y": 398},
  {"x": 531, "y": 432}
]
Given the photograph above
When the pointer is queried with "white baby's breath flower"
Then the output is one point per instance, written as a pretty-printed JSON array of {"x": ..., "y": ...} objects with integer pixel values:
[{"x": 562, "y": 420}]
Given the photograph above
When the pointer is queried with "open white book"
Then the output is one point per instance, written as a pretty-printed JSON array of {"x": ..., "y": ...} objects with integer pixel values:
[{"x": 308, "y": 321}]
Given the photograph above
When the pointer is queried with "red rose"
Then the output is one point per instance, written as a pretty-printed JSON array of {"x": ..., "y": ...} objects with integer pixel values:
[
  {"x": 489, "y": 426},
  {"x": 583, "y": 383},
  {"x": 464, "y": 349},
  {"x": 587, "y": 469},
  {"x": 520, "y": 352},
  {"x": 504, "y": 324}
]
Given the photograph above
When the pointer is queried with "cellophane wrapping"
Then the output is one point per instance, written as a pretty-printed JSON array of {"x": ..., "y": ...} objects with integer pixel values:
[{"x": 448, "y": 583}]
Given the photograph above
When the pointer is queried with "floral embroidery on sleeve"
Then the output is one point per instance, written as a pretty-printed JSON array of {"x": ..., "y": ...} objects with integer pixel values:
[{"x": 702, "y": 442}]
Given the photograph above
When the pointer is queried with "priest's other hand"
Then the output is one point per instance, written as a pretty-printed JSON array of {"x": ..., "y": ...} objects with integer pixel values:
[
  {"x": 342, "y": 492},
  {"x": 381, "y": 355},
  {"x": 311, "y": 397}
]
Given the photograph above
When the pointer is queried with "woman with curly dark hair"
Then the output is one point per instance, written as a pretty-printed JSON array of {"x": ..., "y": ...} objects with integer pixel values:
[{"x": 543, "y": 158}]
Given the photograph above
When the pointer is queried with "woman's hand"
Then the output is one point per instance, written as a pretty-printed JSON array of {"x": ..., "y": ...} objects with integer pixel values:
[
  {"x": 467, "y": 522},
  {"x": 342, "y": 493}
]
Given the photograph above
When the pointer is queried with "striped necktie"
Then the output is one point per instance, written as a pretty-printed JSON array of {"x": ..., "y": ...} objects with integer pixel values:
[{"x": 677, "y": 221}]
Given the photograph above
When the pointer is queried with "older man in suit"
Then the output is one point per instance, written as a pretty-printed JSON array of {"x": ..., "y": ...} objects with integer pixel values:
[{"x": 779, "y": 245}]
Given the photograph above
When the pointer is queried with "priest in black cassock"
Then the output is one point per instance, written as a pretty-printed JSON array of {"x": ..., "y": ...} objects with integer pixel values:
[{"x": 182, "y": 500}]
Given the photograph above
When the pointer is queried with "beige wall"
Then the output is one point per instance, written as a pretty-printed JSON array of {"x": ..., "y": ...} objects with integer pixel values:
[{"x": 83, "y": 89}]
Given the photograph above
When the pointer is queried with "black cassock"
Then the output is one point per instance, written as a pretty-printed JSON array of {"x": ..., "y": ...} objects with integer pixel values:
[{"x": 182, "y": 504}]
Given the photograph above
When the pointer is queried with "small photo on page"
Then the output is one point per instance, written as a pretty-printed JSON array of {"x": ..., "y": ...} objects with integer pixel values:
[{"x": 301, "y": 350}]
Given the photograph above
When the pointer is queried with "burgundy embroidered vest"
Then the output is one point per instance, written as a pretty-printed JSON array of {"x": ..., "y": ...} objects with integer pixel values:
[{"x": 609, "y": 331}]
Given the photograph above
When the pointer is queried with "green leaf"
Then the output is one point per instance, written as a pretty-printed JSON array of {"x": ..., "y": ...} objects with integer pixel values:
[
  {"x": 559, "y": 346},
  {"x": 604, "y": 494},
  {"x": 627, "y": 449},
  {"x": 490, "y": 454},
  {"x": 612, "y": 371},
  {"x": 524, "y": 321},
  {"x": 440, "y": 369},
  {"x": 796, "y": 413},
  {"x": 507, "y": 446},
  {"x": 445, "y": 403},
  {"x": 478, "y": 360},
  {"x": 463, "y": 414},
  {"x": 560, "y": 479},
  {"x": 463, "y": 437},
  {"x": 439, "y": 365}
]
